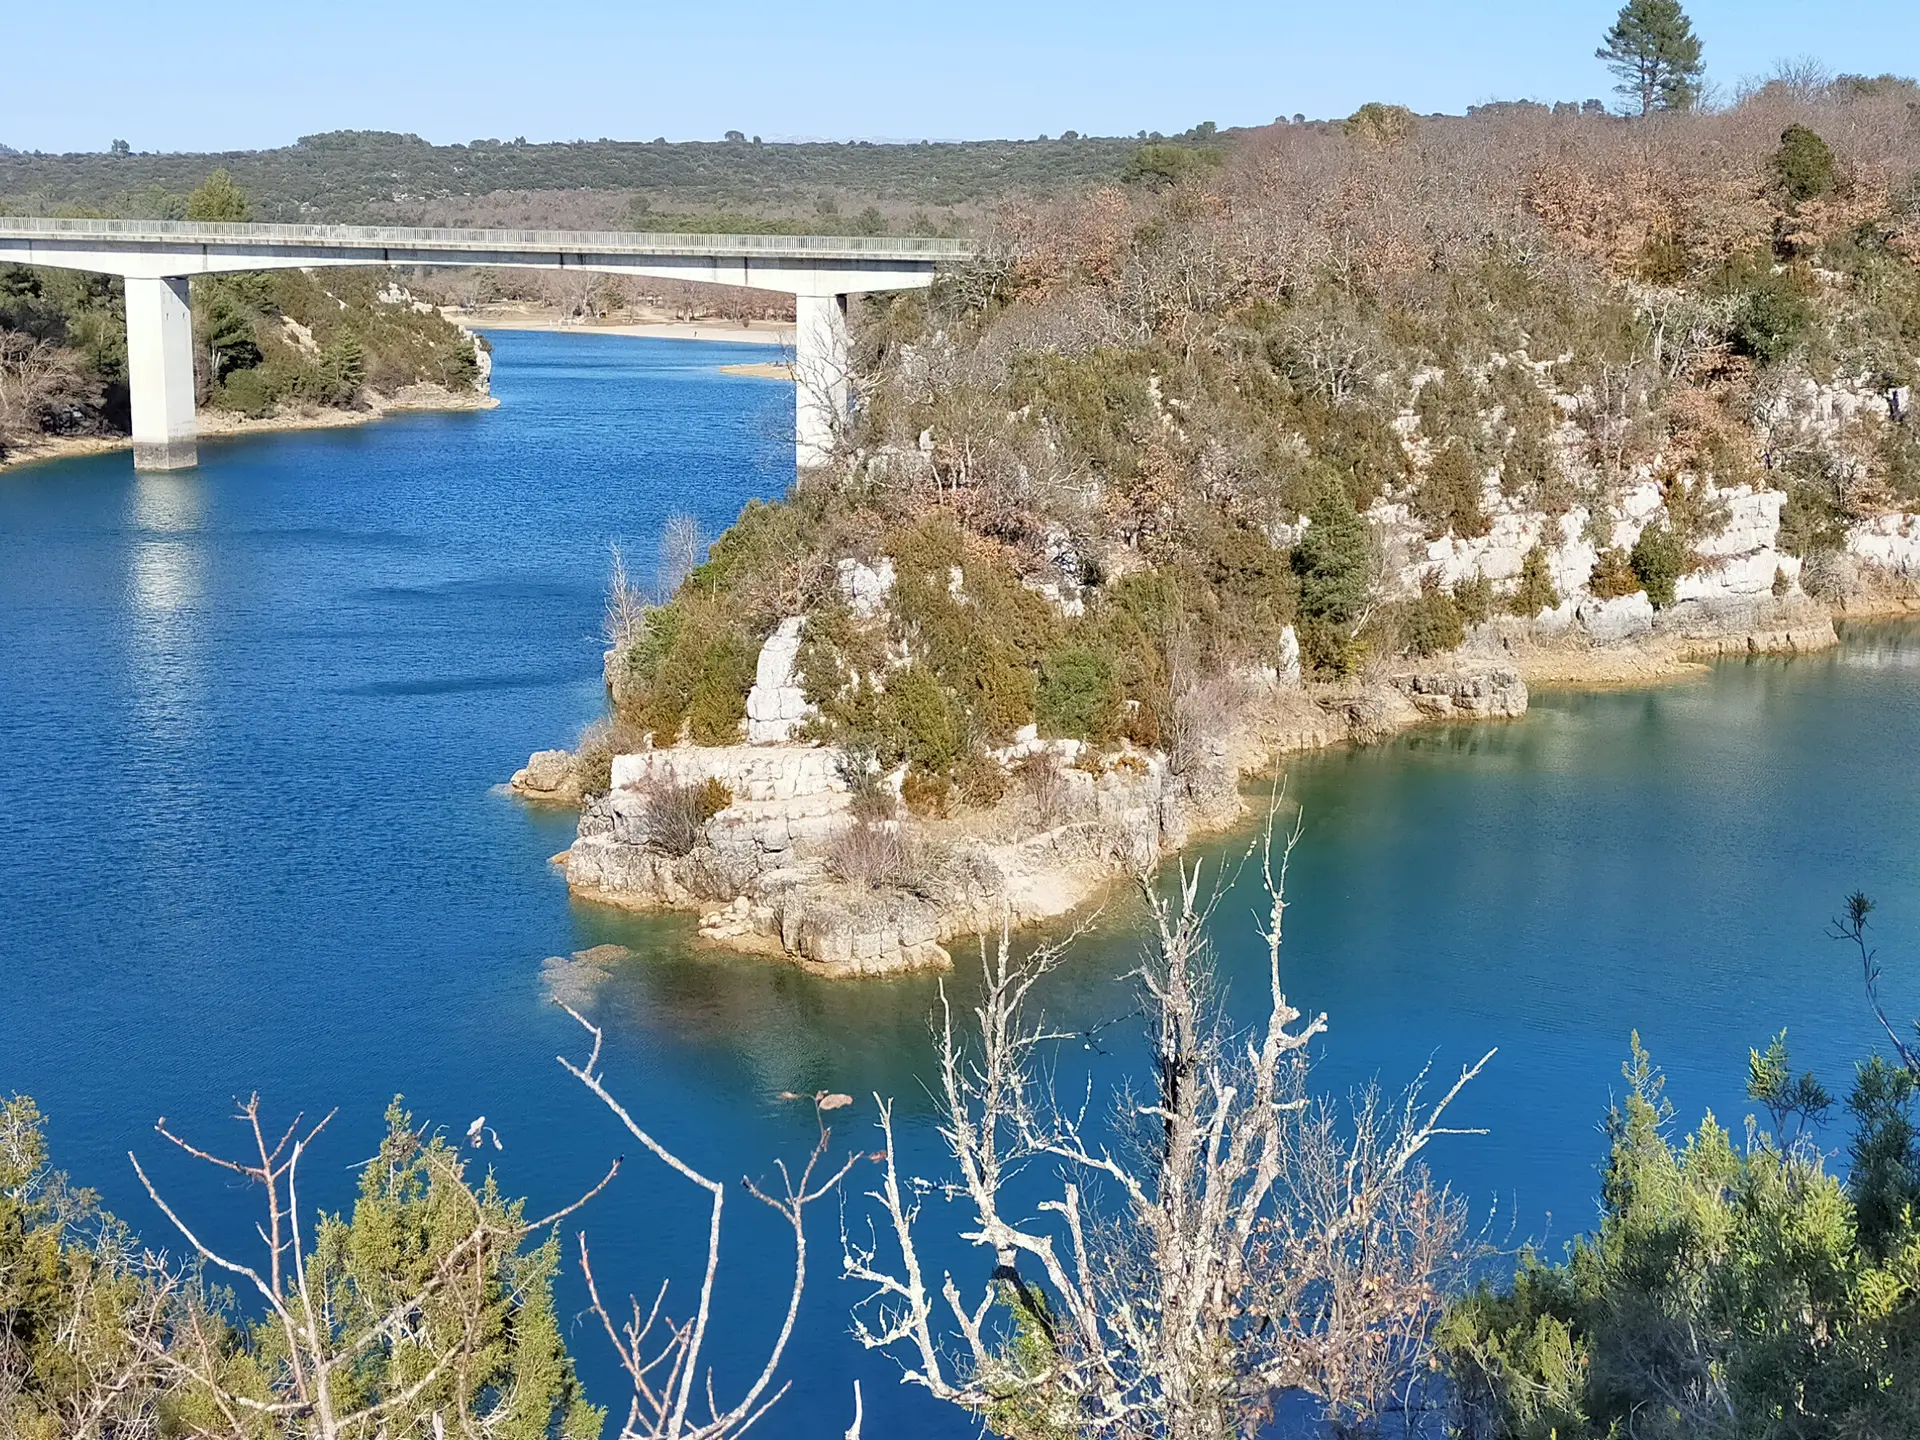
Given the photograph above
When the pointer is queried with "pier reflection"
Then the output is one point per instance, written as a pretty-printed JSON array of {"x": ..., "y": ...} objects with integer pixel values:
[{"x": 166, "y": 581}]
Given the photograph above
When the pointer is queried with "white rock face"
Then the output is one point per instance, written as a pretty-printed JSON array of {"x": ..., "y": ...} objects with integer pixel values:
[
  {"x": 1289, "y": 667},
  {"x": 865, "y": 587},
  {"x": 1622, "y": 618},
  {"x": 1498, "y": 555},
  {"x": 1741, "y": 560},
  {"x": 777, "y": 705},
  {"x": 753, "y": 773},
  {"x": 1890, "y": 541}
]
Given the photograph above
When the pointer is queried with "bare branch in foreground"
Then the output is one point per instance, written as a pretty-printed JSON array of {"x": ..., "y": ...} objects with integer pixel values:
[
  {"x": 1225, "y": 1239},
  {"x": 665, "y": 1368}
]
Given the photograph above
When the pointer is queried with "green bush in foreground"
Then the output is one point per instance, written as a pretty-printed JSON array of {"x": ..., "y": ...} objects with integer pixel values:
[{"x": 1729, "y": 1291}]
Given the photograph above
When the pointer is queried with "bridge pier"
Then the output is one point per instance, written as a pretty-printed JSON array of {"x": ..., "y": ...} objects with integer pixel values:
[
  {"x": 822, "y": 367},
  {"x": 160, "y": 372},
  {"x": 156, "y": 256}
]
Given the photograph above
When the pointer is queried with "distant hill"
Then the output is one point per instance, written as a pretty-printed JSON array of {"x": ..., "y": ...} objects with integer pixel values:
[{"x": 369, "y": 176}]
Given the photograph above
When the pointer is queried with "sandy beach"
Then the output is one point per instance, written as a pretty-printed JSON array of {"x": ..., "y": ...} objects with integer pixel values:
[{"x": 755, "y": 332}]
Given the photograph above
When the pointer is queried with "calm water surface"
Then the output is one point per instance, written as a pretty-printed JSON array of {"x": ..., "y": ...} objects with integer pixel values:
[{"x": 253, "y": 717}]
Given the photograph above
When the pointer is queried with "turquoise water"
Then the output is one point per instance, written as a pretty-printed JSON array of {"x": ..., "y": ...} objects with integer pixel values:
[{"x": 253, "y": 717}]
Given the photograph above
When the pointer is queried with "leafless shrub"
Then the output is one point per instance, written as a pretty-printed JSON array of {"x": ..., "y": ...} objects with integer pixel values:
[
  {"x": 37, "y": 379},
  {"x": 885, "y": 855},
  {"x": 667, "y": 1369},
  {"x": 1044, "y": 784},
  {"x": 1202, "y": 712},
  {"x": 871, "y": 799},
  {"x": 677, "y": 813},
  {"x": 680, "y": 554},
  {"x": 1250, "y": 1240},
  {"x": 1829, "y": 574},
  {"x": 625, "y": 620}
]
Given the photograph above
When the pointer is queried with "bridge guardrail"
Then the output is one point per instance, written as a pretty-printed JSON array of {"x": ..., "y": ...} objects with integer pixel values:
[{"x": 405, "y": 237}]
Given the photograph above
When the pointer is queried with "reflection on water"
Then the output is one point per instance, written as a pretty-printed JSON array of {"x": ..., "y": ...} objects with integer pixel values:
[{"x": 166, "y": 581}]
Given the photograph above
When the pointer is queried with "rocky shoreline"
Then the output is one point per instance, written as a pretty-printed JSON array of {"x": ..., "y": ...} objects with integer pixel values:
[
  {"x": 212, "y": 424},
  {"x": 760, "y": 874}
]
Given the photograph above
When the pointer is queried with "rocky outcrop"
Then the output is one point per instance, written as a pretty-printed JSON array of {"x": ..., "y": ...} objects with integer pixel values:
[
  {"x": 762, "y": 876},
  {"x": 1492, "y": 694},
  {"x": 777, "y": 705},
  {"x": 548, "y": 775}
]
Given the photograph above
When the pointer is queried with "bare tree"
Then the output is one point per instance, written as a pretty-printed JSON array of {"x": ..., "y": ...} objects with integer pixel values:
[
  {"x": 666, "y": 1365},
  {"x": 1228, "y": 1240},
  {"x": 681, "y": 551},
  {"x": 625, "y": 619}
]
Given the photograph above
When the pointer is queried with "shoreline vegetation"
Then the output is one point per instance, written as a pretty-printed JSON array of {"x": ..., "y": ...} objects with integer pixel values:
[
  {"x": 1299, "y": 438},
  {"x": 658, "y": 325},
  {"x": 217, "y": 424}
]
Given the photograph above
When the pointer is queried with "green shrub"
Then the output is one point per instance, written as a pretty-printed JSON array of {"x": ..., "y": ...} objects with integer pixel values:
[
  {"x": 1474, "y": 597},
  {"x": 1167, "y": 162},
  {"x": 1099, "y": 402},
  {"x": 1659, "y": 559},
  {"x": 691, "y": 667},
  {"x": 999, "y": 690},
  {"x": 1771, "y": 322},
  {"x": 1334, "y": 561},
  {"x": 718, "y": 702},
  {"x": 1803, "y": 164},
  {"x": 1380, "y": 124},
  {"x": 1612, "y": 575},
  {"x": 1448, "y": 497},
  {"x": 247, "y": 392},
  {"x": 918, "y": 723},
  {"x": 1329, "y": 651},
  {"x": 1079, "y": 698},
  {"x": 1432, "y": 623},
  {"x": 1535, "y": 591}
]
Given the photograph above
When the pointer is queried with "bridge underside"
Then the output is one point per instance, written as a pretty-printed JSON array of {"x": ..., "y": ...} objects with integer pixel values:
[{"x": 156, "y": 261}]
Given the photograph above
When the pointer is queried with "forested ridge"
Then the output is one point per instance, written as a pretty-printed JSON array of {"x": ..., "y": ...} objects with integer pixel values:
[{"x": 350, "y": 177}]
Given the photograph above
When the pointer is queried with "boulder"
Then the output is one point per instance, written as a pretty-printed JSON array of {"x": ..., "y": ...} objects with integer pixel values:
[
  {"x": 1289, "y": 667},
  {"x": 547, "y": 775},
  {"x": 1625, "y": 617}
]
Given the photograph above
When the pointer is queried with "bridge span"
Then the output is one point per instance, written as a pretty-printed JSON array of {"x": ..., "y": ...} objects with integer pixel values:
[{"x": 156, "y": 258}]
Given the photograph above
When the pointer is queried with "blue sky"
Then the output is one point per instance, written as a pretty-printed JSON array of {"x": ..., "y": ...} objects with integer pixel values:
[{"x": 188, "y": 75}]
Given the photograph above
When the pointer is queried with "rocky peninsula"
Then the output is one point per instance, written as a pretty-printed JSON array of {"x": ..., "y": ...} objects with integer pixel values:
[{"x": 789, "y": 855}]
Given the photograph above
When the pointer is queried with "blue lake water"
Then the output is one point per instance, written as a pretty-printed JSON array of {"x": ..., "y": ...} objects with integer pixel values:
[{"x": 253, "y": 718}]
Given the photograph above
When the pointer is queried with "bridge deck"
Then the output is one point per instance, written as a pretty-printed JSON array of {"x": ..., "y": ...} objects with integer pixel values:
[{"x": 794, "y": 248}]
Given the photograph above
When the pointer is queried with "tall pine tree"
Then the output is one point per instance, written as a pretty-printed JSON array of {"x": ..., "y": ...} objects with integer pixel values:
[{"x": 1653, "y": 49}]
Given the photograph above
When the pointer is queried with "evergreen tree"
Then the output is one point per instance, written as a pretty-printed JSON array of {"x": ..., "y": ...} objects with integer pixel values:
[
  {"x": 1653, "y": 49},
  {"x": 1334, "y": 561},
  {"x": 218, "y": 198}
]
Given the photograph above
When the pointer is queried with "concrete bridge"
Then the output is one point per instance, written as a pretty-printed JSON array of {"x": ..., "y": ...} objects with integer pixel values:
[{"x": 157, "y": 257}]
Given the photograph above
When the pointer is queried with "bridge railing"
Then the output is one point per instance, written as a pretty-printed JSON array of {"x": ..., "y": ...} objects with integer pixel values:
[{"x": 406, "y": 237}]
